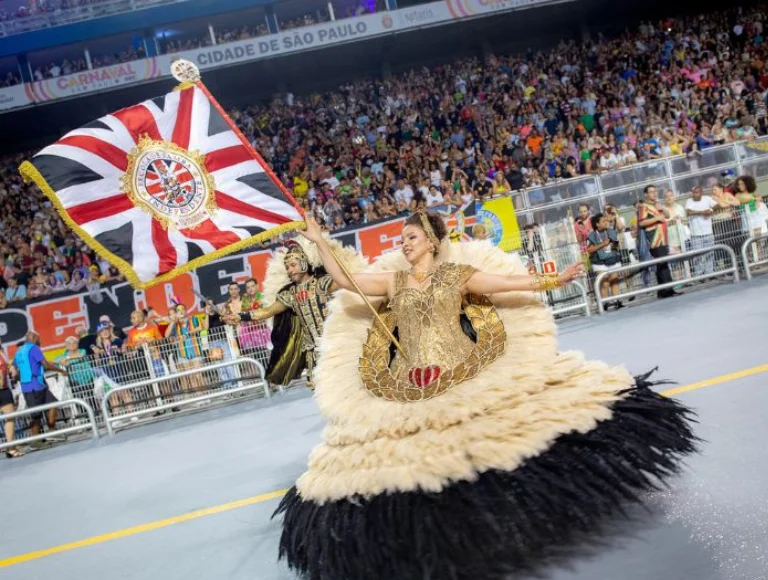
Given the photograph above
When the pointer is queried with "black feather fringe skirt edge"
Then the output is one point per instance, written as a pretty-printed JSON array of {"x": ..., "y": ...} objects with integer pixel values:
[{"x": 503, "y": 522}]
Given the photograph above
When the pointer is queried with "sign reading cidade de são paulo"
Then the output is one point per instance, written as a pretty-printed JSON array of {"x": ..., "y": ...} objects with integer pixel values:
[{"x": 299, "y": 39}]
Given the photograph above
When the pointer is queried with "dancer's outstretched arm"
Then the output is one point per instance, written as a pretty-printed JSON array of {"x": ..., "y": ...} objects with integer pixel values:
[
  {"x": 484, "y": 283},
  {"x": 370, "y": 284}
]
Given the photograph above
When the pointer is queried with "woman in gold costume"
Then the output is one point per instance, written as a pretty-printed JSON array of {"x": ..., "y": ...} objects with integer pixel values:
[{"x": 475, "y": 446}]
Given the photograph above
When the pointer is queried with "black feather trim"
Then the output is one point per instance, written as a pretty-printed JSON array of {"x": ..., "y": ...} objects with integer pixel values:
[{"x": 503, "y": 522}]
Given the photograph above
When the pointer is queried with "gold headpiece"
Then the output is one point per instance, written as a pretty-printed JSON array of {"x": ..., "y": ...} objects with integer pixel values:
[
  {"x": 427, "y": 227},
  {"x": 295, "y": 252}
]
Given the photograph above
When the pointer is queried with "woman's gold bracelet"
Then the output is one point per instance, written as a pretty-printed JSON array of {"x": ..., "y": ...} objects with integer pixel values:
[{"x": 545, "y": 282}]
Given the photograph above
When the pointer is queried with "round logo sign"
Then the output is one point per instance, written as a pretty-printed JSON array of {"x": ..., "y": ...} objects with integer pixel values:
[
  {"x": 492, "y": 224},
  {"x": 171, "y": 183}
]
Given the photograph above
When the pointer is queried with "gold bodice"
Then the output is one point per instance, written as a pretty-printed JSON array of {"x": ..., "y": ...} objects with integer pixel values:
[
  {"x": 439, "y": 354},
  {"x": 428, "y": 319}
]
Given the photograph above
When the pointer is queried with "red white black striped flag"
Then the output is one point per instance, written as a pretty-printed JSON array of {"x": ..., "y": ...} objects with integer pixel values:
[{"x": 163, "y": 187}]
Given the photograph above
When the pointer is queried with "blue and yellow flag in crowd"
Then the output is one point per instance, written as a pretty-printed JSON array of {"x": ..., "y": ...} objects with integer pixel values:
[{"x": 498, "y": 217}]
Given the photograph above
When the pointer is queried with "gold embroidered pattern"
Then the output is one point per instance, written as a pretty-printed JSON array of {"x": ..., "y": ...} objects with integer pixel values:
[
  {"x": 429, "y": 328},
  {"x": 309, "y": 300}
]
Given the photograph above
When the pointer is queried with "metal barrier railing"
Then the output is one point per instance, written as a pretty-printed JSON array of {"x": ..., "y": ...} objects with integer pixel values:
[
  {"x": 582, "y": 304},
  {"x": 733, "y": 269},
  {"x": 749, "y": 264},
  {"x": 162, "y": 405},
  {"x": 90, "y": 376},
  {"x": 56, "y": 433}
]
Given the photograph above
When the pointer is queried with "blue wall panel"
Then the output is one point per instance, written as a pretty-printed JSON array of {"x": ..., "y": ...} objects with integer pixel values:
[{"x": 119, "y": 23}]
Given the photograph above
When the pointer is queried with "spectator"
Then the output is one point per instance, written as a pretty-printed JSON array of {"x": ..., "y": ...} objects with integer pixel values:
[
  {"x": 724, "y": 220},
  {"x": 7, "y": 405},
  {"x": 745, "y": 190},
  {"x": 30, "y": 365},
  {"x": 603, "y": 250},
  {"x": 144, "y": 340},
  {"x": 583, "y": 225},
  {"x": 81, "y": 374},
  {"x": 678, "y": 223},
  {"x": 615, "y": 221},
  {"x": 15, "y": 292},
  {"x": 700, "y": 209},
  {"x": 652, "y": 223},
  {"x": 108, "y": 350},
  {"x": 118, "y": 332},
  {"x": 85, "y": 340},
  {"x": 142, "y": 332},
  {"x": 184, "y": 331},
  {"x": 219, "y": 347}
]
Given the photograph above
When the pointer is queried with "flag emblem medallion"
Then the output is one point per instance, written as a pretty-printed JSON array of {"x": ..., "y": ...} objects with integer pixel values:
[{"x": 170, "y": 183}]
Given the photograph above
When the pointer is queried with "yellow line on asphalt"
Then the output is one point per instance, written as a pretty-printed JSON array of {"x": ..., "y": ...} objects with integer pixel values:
[
  {"x": 142, "y": 528},
  {"x": 716, "y": 381},
  {"x": 12, "y": 561}
]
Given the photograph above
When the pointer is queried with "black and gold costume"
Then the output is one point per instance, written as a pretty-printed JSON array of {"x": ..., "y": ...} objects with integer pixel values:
[
  {"x": 309, "y": 302},
  {"x": 298, "y": 309},
  {"x": 479, "y": 449}
]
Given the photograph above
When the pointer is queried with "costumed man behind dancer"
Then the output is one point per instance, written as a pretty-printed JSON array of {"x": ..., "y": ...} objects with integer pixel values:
[{"x": 299, "y": 309}]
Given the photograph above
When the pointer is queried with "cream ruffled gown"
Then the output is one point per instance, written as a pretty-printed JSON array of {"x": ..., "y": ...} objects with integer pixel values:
[{"x": 480, "y": 452}]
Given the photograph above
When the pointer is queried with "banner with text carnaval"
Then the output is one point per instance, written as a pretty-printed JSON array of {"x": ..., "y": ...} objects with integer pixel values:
[
  {"x": 295, "y": 40},
  {"x": 500, "y": 220},
  {"x": 13, "y": 97},
  {"x": 58, "y": 317},
  {"x": 91, "y": 81}
]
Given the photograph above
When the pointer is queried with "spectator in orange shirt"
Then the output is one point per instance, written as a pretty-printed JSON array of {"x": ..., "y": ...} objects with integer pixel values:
[
  {"x": 142, "y": 332},
  {"x": 534, "y": 142}
]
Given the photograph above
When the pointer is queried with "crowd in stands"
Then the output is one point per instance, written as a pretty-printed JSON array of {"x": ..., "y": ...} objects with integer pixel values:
[
  {"x": 222, "y": 36},
  {"x": 50, "y": 7},
  {"x": 467, "y": 130},
  {"x": 9, "y": 80},
  {"x": 471, "y": 128},
  {"x": 344, "y": 10},
  {"x": 308, "y": 19},
  {"x": 68, "y": 67},
  {"x": 39, "y": 256}
]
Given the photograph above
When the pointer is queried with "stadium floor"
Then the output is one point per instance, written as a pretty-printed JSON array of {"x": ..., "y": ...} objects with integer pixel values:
[{"x": 711, "y": 525}]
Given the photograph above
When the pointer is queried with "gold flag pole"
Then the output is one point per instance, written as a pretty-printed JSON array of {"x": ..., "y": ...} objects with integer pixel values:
[{"x": 367, "y": 302}]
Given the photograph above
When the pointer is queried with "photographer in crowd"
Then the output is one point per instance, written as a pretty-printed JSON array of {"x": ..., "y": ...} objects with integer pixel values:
[{"x": 604, "y": 254}]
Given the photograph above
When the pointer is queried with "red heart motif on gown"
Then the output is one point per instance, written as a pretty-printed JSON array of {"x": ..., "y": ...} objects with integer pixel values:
[{"x": 422, "y": 377}]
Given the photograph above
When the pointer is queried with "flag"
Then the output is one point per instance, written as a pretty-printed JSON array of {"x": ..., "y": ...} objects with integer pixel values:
[
  {"x": 499, "y": 218},
  {"x": 163, "y": 187}
]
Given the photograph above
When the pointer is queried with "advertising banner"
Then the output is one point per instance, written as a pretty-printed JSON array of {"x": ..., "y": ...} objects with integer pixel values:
[
  {"x": 424, "y": 15},
  {"x": 13, "y": 97},
  {"x": 91, "y": 81},
  {"x": 299, "y": 39},
  {"x": 469, "y": 8},
  {"x": 499, "y": 218}
]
